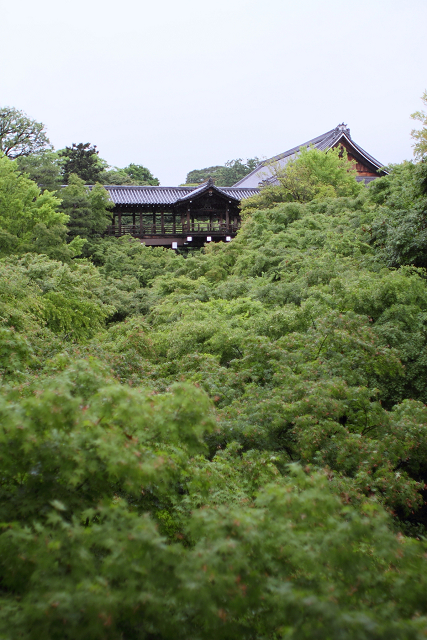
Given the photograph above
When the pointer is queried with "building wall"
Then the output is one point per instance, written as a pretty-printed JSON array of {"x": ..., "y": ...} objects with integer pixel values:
[{"x": 361, "y": 168}]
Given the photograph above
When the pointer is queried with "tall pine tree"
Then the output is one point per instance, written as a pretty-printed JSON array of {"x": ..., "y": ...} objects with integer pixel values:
[{"x": 82, "y": 159}]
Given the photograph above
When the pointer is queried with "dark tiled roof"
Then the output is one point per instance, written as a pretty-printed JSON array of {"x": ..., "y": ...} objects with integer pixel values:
[
  {"x": 132, "y": 195},
  {"x": 323, "y": 143},
  {"x": 240, "y": 193},
  {"x": 231, "y": 192},
  {"x": 146, "y": 195}
]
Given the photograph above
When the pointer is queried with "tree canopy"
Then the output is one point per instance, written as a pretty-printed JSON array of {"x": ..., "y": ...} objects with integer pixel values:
[
  {"x": 420, "y": 135},
  {"x": 225, "y": 443},
  {"x": 22, "y": 206},
  {"x": 224, "y": 176},
  {"x": 19, "y": 135},
  {"x": 311, "y": 175},
  {"x": 44, "y": 168},
  {"x": 140, "y": 175},
  {"x": 133, "y": 174},
  {"x": 87, "y": 209},
  {"x": 25, "y": 139},
  {"x": 31, "y": 220},
  {"x": 82, "y": 160}
]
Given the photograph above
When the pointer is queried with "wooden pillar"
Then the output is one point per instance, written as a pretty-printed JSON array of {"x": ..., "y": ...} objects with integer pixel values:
[
  {"x": 141, "y": 228},
  {"x": 154, "y": 222},
  {"x": 227, "y": 219},
  {"x": 113, "y": 226},
  {"x": 133, "y": 221},
  {"x": 162, "y": 223},
  {"x": 120, "y": 222},
  {"x": 173, "y": 223},
  {"x": 188, "y": 220}
]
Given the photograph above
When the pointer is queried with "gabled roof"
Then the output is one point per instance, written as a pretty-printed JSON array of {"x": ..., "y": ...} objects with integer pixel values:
[
  {"x": 209, "y": 185},
  {"x": 126, "y": 195},
  {"x": 326, "y": 141}
]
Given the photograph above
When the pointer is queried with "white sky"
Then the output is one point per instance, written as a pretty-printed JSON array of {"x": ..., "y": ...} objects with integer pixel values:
[{"x": 177, "y": 86}]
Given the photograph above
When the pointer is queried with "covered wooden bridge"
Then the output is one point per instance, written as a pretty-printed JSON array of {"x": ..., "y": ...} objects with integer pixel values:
[{"x": 177, "y": 216}]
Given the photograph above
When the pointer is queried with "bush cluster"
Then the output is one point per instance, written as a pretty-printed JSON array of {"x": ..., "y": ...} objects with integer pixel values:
[{"x": 230, "y": 443}]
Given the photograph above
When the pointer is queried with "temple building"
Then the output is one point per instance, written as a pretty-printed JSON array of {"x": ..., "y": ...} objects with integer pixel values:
[
  {"x": 177, "y": 216},
  {"x": 191, "y": 216},
  {"x": 366, "y": 166}
]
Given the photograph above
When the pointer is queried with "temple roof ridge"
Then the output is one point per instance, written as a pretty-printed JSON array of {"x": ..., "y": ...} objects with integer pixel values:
[{"x": 323, "y": 142}]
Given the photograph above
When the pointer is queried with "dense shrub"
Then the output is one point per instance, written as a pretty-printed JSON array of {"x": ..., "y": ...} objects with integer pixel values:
[{"x": 231, "y": 443}]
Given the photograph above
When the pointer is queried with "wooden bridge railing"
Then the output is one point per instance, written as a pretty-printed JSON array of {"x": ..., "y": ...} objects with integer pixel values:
[{"x": 170, "y": 229}]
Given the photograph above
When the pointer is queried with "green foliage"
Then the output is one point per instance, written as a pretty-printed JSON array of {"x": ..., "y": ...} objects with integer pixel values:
[
  {"x": 140, "y": 175},
  {"x": 31, "y": 220},
  {"x": 23, "y": 208},
  {"x": 52, "y": 243},
  {"x": 197, "y": 176},
  {"x": 15, "y": 352},
  {"x": 297, "y": 560},
  {"x": 399, "y": 231},
  {"x": 114, "y": 175},
  {"x": 82, "y": 160},
  {"x": 39, "y": 292},
  {"x": 132, "y": 174},
  {"x": 44, "y": 168},
  {"x": 312, "y": 175},
  {"x": 224, "y": 176},
  {"x": 87, "y": 209},
  {"x": 230, "y": 443},
  {"x": 100, "y": 205},
  {"x": 20, "y": 136},
  {"x": 129, "y": 269},
  {"x": 420, "y": 136}
]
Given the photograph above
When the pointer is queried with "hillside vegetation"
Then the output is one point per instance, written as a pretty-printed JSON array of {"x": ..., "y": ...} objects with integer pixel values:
[{"x": 226, "y": 444}]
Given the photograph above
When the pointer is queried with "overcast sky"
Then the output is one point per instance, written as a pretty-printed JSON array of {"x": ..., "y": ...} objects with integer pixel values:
[{"x": 182, "y": 85}]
